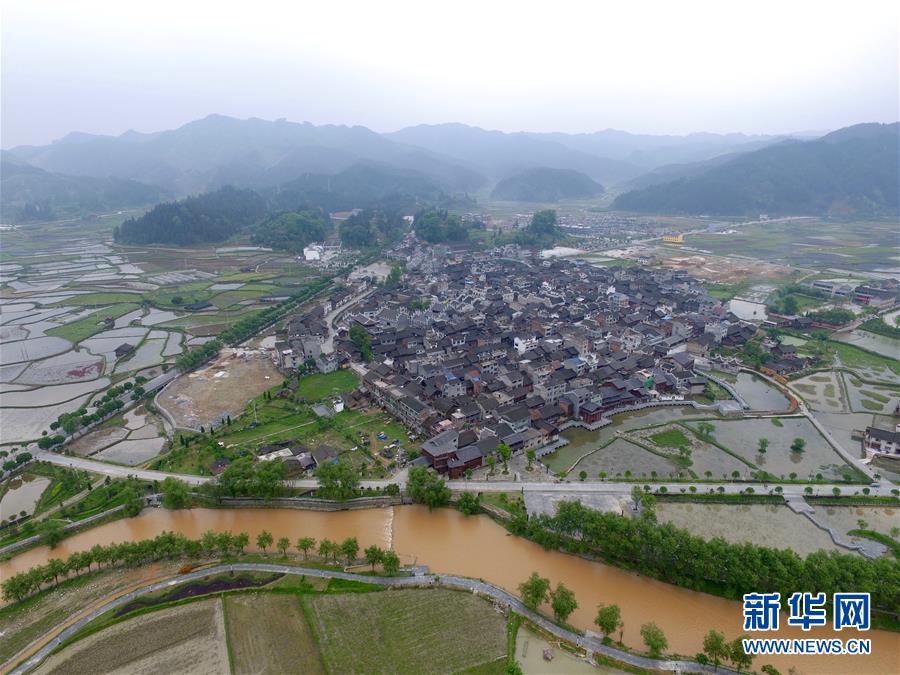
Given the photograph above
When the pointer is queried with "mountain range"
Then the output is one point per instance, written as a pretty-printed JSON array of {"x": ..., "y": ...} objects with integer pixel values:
[
  {"x": 852, "y": 171},
  {"x": 351, "y": 165}
]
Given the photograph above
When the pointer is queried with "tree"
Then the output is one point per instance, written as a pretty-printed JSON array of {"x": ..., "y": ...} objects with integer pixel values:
[
  {"x": 373, "y": 555},
  {"x": 350, "y": 548},
  {"x": 132, "y": 500},
  {"x": 363, "y": 341},
  {"x": 305, "y": 544},
  {"x": 329, "y": 548},
  {"x": 52, "y": 532},
  {"x": 705, "y": 429},
  {"x": 716, "y": 647},
  {"x": 390, "y": 563},
  {"x": 532, "y": 456},
  {"x": 563, "y": 602},
  {"x": 654, "y": 638},
  {"x": 608, "y": 619},
  {"x": 283, "y": 545},
  {"x": 763, "y": 445},
  {"x": 492, "y": 461},
  {"x": 241, "y": 540},
  {"x": 534, "y": 591},
  {"x": 209, "y": 541},
  {"x": 427, "y": 487},
  {"x": 337, "y": 480},
  {"x": 542, "y": 230},
  {"x": 264, "y": 539},
  {"x": 741, "y": 659},
  {"x": 225, "y": 541},
  {"x": 505, "y": 453},
  {"x": 174, "y": 494},
  {"x": 469, "y": 503},
  {"x": 55, "y": 567},
  {"x": 789, "y": 305},
  {"x": 798, "y": 445}
]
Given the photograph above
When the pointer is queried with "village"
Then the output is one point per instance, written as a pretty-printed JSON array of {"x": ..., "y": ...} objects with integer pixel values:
[{"x": 478, "y": 350}]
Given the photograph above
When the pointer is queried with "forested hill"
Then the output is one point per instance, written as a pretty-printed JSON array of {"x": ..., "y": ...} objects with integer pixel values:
[
  {"x": 544, "y": 184},
  {"x": 852, "y": 171},
  {"x": 363, "y": 185},
  {"x": 209, "y": 217},
  {"x": 28, "y": 193}
]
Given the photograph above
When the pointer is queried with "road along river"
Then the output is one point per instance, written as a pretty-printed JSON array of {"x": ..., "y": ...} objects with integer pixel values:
[{"x": 477, "y": 547}]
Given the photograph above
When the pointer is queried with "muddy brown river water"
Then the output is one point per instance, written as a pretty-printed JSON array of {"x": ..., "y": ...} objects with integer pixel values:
[{"x": 449, "y": 542}]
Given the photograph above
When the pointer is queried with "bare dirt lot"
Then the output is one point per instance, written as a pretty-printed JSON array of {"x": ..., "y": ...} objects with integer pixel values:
[
  {"x": 187, "y": 639},
  {"x": 269, "y": 634},
  {"x": 221, "y": 388},
  {"x": 722, "y": 269}
]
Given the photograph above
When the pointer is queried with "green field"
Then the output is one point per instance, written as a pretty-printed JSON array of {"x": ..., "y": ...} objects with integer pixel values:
[
  {"x": 408, "y": 631},
  {"x": 105, "y": 298},
  {"x": 671, "y": 438},
  {"x": 82, "y": 329},
  {"x": 318, "y": 386},
  {"x": 812, "y": 243},
  {"x": 854, "y": 357}
]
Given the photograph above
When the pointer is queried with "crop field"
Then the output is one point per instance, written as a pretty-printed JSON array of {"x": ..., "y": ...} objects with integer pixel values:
[
  {"x": 268, "y": 633},
  {"x": 871, "y": 398},
  {"x": 823, "y": 391},
  {"x": 818, "y": 458},
  {"x": 761, "y": 524},
  {"x": 867, "y": 364},
  {"x": 582, "y": 441},
  {"x": 845, "y": 518},
  {"x": 184, "y": 639},
  {"x": 408, "y": 631},
  {"x": 71, "y": 299},
  {"x": 856, "y": 246},
  {"x": 621, "y": 458}
]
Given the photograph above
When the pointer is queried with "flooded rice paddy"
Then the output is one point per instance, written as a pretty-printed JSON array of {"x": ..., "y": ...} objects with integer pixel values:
[{"x": 22, "y": 496}]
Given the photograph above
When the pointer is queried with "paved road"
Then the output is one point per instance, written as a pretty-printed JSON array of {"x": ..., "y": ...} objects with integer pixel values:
[
  {"x": 574, "y": 488},
  {"x": 462, "y": 583},
  {"x": 328, "y": 343}
]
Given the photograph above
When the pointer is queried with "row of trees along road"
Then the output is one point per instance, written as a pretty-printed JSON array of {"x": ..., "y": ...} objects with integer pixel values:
[
  {"x": 536, "y": 590},
  {"x": 170, "y": 545}
]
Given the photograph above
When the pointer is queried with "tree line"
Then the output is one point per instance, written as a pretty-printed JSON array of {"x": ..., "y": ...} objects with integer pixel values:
[
  {"x": 172, "y": 545},
  {"x": 676, "y": 556},
  {"x": 536, "y": 590}
]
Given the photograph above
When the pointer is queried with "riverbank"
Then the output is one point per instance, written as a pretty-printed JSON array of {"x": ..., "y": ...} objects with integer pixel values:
[
  {"x": 114, "y": 608},
  {"x": 479, "y": 548}
]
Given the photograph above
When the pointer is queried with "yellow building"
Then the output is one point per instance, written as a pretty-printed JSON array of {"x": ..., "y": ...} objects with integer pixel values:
[{"x": 673, "y": 238}]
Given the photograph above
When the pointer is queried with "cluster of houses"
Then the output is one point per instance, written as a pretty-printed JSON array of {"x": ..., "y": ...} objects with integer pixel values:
[
  {"x": 882, "y": 442},
  {"x": 295, "y": 456},
  {"x": 880, "y": 294},
  {"x": 478, "y": 349}
]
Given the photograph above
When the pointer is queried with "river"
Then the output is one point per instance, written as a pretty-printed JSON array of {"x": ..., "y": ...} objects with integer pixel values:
[{"x": 449, "y": 542}]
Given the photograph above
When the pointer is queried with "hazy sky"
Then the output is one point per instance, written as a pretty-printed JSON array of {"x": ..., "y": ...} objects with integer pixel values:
[{"x": 655, "y": 67}]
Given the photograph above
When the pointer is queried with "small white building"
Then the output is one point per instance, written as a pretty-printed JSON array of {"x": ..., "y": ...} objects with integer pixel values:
[{"x": 313, "y": 252}]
